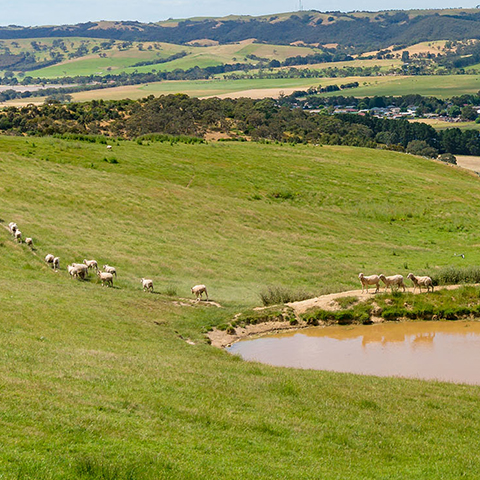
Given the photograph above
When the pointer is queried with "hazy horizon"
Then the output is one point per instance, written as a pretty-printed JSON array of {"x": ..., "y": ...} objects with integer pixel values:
[{"x": 59, "y": 12}]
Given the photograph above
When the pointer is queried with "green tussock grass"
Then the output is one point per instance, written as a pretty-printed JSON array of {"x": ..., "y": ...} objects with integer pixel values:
[{"x": 101, "y": 383}]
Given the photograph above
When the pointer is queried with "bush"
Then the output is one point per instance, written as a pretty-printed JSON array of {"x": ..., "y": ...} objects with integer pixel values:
[
  {"x": 448, "y": 158},
  {"x": 422, "y": 148},
  {"x": 278, "y": 295}
]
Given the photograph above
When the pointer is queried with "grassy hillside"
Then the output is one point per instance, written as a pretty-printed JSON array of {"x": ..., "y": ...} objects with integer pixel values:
[
  {"x": 87, "y": 56},
  {"x": 99, "y": 383}
]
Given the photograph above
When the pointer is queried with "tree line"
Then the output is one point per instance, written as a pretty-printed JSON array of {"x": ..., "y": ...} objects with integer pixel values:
[{"x": 241, "y": 119}]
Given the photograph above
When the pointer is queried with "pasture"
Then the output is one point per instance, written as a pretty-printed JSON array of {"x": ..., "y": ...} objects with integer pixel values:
[
  {"x": 118, "y": 58},
  {"x": 101, "y": 383}
]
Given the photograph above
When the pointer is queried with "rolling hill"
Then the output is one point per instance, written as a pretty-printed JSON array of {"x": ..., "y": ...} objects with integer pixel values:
[
  {"x": 101, "y": 383},
  {"x": 361, "y": 30}
]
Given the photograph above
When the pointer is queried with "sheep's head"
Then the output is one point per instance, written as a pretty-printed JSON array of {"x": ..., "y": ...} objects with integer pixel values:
[
  {"x": 360, "y": 275},
  {"x": 381, "y": 276},
  {"x": 410, "y": 276}
]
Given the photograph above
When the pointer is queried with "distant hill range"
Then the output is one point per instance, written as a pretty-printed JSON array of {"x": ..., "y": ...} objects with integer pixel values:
[{"x": 360, "y": 30}]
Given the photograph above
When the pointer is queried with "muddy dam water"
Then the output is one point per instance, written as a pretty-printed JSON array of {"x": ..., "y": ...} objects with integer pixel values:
[{"x": 447, "y": 351}]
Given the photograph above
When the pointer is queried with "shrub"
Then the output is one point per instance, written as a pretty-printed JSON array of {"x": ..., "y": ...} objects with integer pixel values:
[
  {"x": 277, "y": 295},
  {"x": 420, "y": 147},
  {"x": 448, "y": 158}
]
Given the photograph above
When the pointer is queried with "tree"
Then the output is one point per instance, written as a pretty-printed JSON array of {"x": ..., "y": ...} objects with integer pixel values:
[
  {"x": 420, "y": 147},
  {"x": 469, "y": 113}
]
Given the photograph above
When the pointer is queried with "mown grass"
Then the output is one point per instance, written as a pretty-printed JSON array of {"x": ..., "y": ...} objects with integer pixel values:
[{"x": 100, "y": 383}]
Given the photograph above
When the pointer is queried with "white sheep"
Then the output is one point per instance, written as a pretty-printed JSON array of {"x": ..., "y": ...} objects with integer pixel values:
[
  {"x": 91, "y": 264},
  {"x": 147, "y": 284},
  {"x": 76, "y": 272},
  {"x": 198, "y": 290},
  {"x": 110, "y": 269},
  {"x": 392, "y": 281},
  {"x": 420, "y": 282},
  {"x": 81, "y": 267},
  {"x": 56, "y": 263},
  {"x": 49, "y": 259},
  {"x": 106, "y": 278},
  {"x": 12, "y": 227},
  {"x": 109, "y": 147},
  {"x": 370, "y": 280},
  {"x": 18, "y": 236},
  {"x": 29, "y": 241}
]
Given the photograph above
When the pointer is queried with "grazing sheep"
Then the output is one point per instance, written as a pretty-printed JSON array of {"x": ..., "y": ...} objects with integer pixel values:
[
  {"x": 106, "y": 278},
  {"x": 420, "y": 282},
  {"x": 91, "y": 264},
  {"x": 110, "y": 269},
  {"x": 49, "y": 259},
  {"x": 370, "y": 280},
  {"x": 12, "y": 227},
  {"x": 198, "y": 290},
  {"x": 18, "y": 236},
  {"x": 147, "y": 284},
  {"x": 109, "y": 147},
  {"x": 56, "y": 263},
  {"x": 76, "y": 272},
  {"x": 392, "y": 281},
  {"x": 82, "y": 267},
  {"x": 29, "y": 241}
]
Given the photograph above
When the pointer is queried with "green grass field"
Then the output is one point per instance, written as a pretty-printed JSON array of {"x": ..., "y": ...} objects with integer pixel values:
[
  {"x": 439, "y": 125},
  {"x": 99, "y": 383},
  {"x": 441, "y": 86}
]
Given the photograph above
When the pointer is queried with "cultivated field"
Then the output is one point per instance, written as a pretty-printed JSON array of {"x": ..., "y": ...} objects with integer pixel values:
[{"x": 101, "y": 383}]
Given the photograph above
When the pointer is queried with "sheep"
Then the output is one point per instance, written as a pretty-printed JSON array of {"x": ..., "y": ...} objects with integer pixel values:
[
  {"x": 147, "y": 284},
  {"x": 420, "y": 282},
  {"x": 109, "y": 147},
  {"x": 394, "y": 280},
  {"x": 56, "y": 263},
  {"x": 18, "y": 236},
  {"x": 49, "y": 259},
  {"x": 76, "y": 272},
  {"x": 29, "y": 241},
  {"x": 91, "y": 264},
  {"x": 81, "y": 267},
  {"x": 198, "y": 290},
  {"x": 371, "y": 280},
  {"x": 110, "y": 269},
  {"x": 106, "y": 278},
  {"x": 12, "y": 227}
]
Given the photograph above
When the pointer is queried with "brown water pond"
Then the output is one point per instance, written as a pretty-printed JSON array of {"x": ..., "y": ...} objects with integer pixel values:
[{"x": 448, "y": 351}]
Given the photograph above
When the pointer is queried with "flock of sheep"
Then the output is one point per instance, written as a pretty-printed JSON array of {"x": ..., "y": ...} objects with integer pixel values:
[
  {"x": 81, "y": 270},
  {"x": 395, "y": 281}
]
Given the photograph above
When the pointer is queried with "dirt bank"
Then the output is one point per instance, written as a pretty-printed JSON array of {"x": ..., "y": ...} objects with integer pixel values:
[{"x": 221, "y": 338}]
